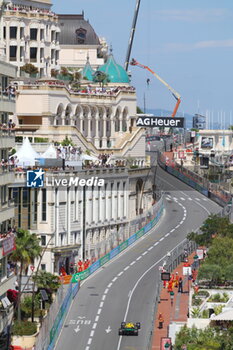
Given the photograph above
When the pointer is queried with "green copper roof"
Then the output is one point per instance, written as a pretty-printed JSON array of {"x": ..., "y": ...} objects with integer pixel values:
[
  {"x": 88, "y": 71},
  {"x": 115, "y": 72}
]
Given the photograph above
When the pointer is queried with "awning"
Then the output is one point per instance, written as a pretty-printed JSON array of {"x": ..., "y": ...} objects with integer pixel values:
[{"x": 224, "y": 316}]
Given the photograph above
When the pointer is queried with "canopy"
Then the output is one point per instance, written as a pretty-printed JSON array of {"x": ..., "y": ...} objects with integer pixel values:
[
  {"x": 51, "y": 152},
  {"x": 87, "y": 157},
  {"x": 26, "y": 155},
  {"x": 224, "y": 316}
]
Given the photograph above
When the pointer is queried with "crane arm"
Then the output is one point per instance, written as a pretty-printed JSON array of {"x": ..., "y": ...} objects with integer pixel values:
[{"x": 173, "y": 91}]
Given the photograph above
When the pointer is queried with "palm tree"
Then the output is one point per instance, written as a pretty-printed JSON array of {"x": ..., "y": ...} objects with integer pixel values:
[
  {"x": 27, "y": 250},
  {"x": 101, "y": 78}
]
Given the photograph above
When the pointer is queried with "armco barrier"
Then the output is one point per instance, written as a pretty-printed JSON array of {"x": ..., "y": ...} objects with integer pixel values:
[
  {"x": 114, "y": 252},
  {"x": 221, "y": 200},
  {"x": 54, "y": 332}
]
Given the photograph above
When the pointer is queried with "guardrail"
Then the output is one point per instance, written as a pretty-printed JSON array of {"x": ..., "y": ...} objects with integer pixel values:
[
  {"x": 53, "y": 322},
  {"x": 158, "y": 210},
  {"x": 193, "y": 180}
]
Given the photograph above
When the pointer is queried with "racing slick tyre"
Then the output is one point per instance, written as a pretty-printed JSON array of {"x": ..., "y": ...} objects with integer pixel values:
[
  {"x": 123, "y": 324},
  {"x": 138, "y": 325}
]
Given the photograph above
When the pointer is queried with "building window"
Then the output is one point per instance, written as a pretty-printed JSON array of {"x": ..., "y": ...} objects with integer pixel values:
[
  {"x": 2, "y": 267},
  {"x": 4, "y": 32},
  {"x": 33, "y": 34},
  {"x": 13, "y": 32},
  {"x": 43, "y": 240},
  {"x": 13, "y": 53},
  {"x": 81, "y": 35},
  {"x": 44, "y": 204},
  {"x": 21, "y": 33},
  {"x": 33, "y": 54},
  {"x": 41, "y": 34},
  {"x": 3, "y": 195},
  {"x": 43, "y": 267}
]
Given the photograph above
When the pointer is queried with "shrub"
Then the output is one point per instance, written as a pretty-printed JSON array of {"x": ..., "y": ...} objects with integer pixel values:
[
  {"x": 196, "y": 301},
  {"x": 217, "y": 298},
  {"x": 203, "y": 293},
  {"x": 29, "y": 68},
  {"x": 24, "y": 328},
  {"x": 205, "y": 313},
  {"x": 41, "y": 139}
]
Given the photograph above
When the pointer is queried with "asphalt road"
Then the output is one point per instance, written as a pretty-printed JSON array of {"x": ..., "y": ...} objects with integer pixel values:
[{"x": 125, "y": 288}]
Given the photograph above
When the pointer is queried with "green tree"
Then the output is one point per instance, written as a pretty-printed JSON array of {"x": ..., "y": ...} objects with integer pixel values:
[
  {"x": 29, "y": 68},
  {"x": 26, "y": 304},
  {"x": 27, "y": 250},
  {"x": 67, "y": 142},
  {"x": 228, "y": 272},
  {"x": 221, "y": 252},
  {"x": 47, "y": 280},
  {"x": 212, "y": 226},
  {"x": 212, "y": 273},
  {"x": 101, "y": 78},
  {"x": 139, "y": 110},
  {"x": 197, "y": 339}
]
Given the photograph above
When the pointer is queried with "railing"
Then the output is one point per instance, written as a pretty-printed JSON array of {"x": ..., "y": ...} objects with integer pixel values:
[{"x": 212, "y": 191}]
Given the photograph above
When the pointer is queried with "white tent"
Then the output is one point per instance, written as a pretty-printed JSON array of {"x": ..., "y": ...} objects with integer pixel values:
[
  {"x": 26, "y": 155},
  {"x": 87, "y": 157},
  {"x": 51, "y": 152}
]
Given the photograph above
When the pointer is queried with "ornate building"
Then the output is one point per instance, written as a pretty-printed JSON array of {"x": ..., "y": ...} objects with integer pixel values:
[
  {"x": 79, "y": 40},
  {"x": 31, "y": 35}
]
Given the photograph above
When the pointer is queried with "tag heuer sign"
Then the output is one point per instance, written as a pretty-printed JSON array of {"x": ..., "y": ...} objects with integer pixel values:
[{"x": 168, "y": 122}]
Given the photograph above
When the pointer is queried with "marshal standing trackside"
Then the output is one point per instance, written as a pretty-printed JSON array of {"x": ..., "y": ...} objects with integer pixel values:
[{"x": 161, "y": 122}]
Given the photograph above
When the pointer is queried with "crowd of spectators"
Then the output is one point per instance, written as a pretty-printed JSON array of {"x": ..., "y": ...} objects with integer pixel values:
[
  {"x": 10, "y": 92},
  {"x": 8, "y": 232},
  {"x": 30, "y": 9},
  {"x": 87, "y": 90}
]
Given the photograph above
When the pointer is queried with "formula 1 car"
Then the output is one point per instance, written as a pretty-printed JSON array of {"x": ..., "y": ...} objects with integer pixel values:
[{"x": 129, "y": 328}]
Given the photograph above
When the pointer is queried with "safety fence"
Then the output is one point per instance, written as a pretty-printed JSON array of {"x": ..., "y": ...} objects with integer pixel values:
[
  {"x": 53, "y": 322},
  {"x": 154, "y": 215},
  {"x": 202, "y": 185}
]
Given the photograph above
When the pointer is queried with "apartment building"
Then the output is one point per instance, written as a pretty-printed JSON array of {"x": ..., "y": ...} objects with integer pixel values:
[
  {"x": 31, "y": 35},
  {"x": 7, "y": 241}
]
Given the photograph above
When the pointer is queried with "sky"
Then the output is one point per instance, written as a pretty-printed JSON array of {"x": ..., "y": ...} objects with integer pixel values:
[{"x": 188, "y": 43}]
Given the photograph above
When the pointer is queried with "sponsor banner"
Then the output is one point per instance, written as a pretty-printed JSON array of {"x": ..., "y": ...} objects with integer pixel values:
[
  {"x": 140, "y": 233},
  {"x": 114, "y": 252},
  {"x": 94, "y": 266},
  {"x": 132, "y": 239},
  {"x": 104, "y": 259},
  {"x": 153, "y": 121},
  {"x": 80, "y": 275},
  {"x": 148, "y": 227},
  {"x": 123, "y": 246},
  {"x": 65, "y": 279},
  {"x": 8, "y": 245}
]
